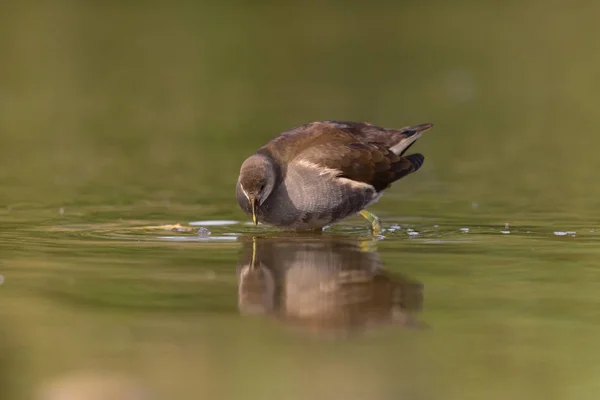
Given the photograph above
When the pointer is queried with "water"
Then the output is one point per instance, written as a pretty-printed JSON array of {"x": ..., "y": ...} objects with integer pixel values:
[
  {"x": 335, "y": 315},
  {"x": 118, "y": 122}
]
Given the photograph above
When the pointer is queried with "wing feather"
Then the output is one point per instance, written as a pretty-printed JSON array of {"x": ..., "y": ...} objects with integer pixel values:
[{"x": 358, "y": 151}]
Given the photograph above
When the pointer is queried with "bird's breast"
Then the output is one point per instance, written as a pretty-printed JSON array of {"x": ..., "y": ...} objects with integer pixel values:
[{"x": 306, "y": 199}]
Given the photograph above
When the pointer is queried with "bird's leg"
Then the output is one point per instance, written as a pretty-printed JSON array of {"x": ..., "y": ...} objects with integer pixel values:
[{"x": 373, "y": 219}]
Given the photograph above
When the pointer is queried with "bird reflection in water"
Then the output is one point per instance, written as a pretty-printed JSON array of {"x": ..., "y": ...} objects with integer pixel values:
[{"x": 324, "y": 285}]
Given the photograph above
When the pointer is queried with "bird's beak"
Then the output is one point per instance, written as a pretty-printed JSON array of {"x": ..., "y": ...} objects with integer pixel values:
[{"x": 253, "y": 205}]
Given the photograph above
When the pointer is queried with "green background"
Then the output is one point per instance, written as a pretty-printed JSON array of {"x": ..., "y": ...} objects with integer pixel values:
[{"x": 115, "y": 115}]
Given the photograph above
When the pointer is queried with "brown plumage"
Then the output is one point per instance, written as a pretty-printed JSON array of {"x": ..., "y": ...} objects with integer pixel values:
[{"x": 322, "y": 172}]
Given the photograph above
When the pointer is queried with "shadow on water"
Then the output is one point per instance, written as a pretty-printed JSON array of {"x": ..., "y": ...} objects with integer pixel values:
[{"x": 324, "y": 285}]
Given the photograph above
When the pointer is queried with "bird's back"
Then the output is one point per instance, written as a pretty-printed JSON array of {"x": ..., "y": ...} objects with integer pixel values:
[{"x": 291, "y": 143}]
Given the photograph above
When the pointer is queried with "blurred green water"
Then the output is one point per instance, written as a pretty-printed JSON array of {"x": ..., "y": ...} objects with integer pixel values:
[{"x": 116, "y": 115}]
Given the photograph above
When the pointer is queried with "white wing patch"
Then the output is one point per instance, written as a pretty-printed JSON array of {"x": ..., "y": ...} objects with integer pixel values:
[
  {"x": 323, "y": 171},
  {"x": 333, "y": 173}
]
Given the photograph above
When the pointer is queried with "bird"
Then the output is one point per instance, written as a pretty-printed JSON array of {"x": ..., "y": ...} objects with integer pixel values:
[{"x": 322, "y": 172}]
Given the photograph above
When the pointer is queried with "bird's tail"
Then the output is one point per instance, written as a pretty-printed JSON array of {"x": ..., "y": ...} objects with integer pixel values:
[{"x": 408, "y": 136}]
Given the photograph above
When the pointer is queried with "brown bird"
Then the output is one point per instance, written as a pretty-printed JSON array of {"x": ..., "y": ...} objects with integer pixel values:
[{"x": 322, "y": 172}]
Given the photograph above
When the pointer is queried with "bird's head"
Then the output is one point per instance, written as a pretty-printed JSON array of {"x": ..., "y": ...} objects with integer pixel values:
[{"x": 257, "y": 180}]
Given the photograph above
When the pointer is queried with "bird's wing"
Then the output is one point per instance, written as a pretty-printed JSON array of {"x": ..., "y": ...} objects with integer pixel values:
[
  {"x": 349, "y": 157},
  {"x": 398, "y": 140}
]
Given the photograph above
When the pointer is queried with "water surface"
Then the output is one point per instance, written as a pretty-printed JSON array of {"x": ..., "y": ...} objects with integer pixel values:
[{"x": 118, "y": 117}]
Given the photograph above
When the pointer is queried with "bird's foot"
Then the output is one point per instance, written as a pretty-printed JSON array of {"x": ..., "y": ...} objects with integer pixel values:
[{"x": 373, "y": 220}]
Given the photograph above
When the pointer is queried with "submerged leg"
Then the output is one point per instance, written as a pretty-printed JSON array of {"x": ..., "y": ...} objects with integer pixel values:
[{"x": 372, "y": 218}]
